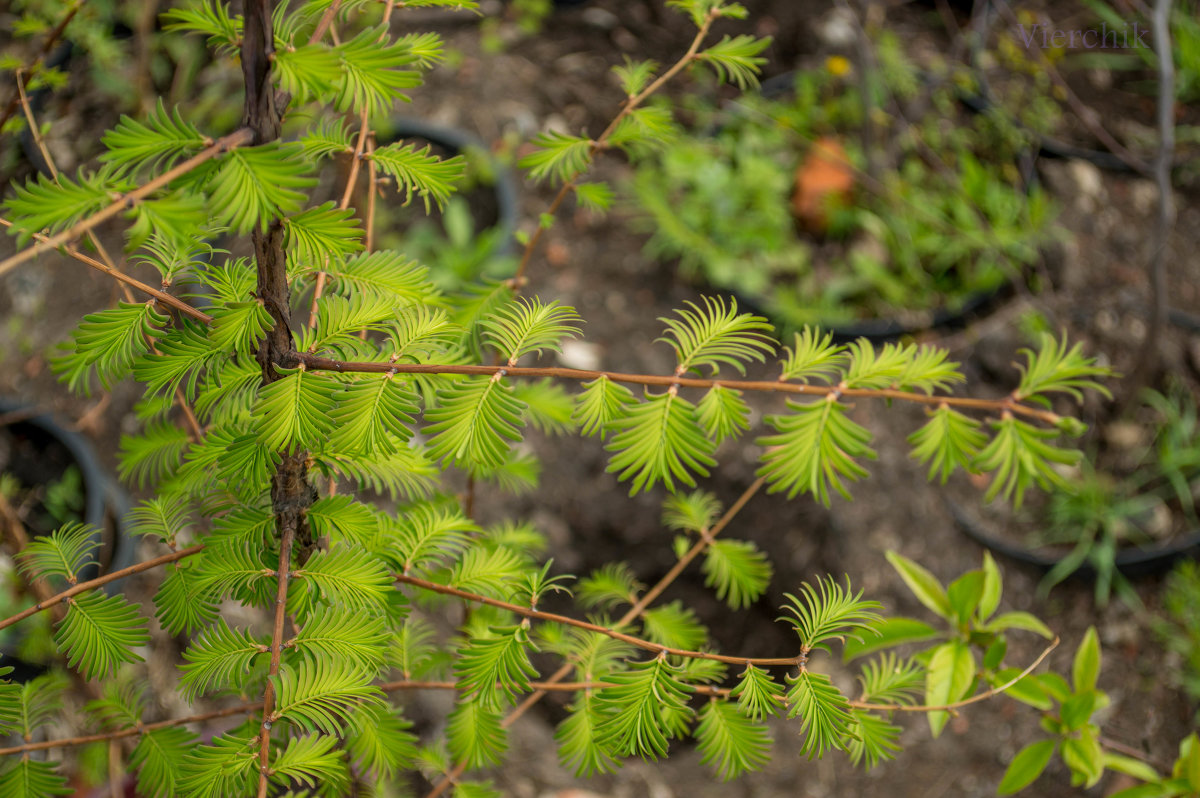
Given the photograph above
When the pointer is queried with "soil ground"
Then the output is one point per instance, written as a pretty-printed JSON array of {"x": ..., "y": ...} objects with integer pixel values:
[{"x": 1096, "y": 291}]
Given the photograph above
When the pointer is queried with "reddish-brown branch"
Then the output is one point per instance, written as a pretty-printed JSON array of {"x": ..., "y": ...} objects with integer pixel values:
[
  {"x": 314, "y": 362},
  {"x": 247, "y": 708},
  {"x": 236, "y": 139},
  {"x": 99, "y": 582},
  {"x": 632, "y": 614},
  {"x": 552, "y": 617},
  {"x": 268, "y": 705},
  {"x": 45, "y": 745}
]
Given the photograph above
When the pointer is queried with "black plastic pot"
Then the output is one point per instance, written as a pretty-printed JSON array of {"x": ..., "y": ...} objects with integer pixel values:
[
  {"x": 1131, "y": 562},
  {"x": 105, "y": 505}
]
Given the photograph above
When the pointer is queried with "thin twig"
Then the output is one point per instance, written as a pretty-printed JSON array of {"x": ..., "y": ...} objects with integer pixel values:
[
  {"x": 238, "y": 138},
  {"x": 161, "y": 296},
  {"x": 45, "y": 745},
  {"x": 98, "y": 582},
  {"x": 966, "y": 701},
  {"x": 13, "y": 528},
  {"x": 317, "y": 363},
  {"x": 251, "y": 706},
  {"x": 592, "y": 627},
  {"x": 268, "y": 705},
  {"x": 631, "y": 615},
  {"x": 602, "y": 142},
  {"x": 36, "y": 131},
  {"x": 360, "y": 154},
  {"x": 541, "y": 687},
  {"x": 325, "y": 21},
  {"x": 108, "y": 266}
]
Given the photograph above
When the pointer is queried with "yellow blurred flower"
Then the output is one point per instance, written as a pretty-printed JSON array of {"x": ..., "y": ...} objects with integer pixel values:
[{"x": 837, "y": 65}]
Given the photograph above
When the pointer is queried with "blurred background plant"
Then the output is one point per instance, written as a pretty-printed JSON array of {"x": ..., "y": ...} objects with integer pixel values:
[
  {"x": 1107, "y": 510},
  {"x": 750, "y": 198},
  {"x": 1185, "y": 46},
  {"x": 1179, "y": 626}
]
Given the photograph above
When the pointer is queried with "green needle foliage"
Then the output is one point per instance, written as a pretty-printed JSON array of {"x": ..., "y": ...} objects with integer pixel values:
[{"x": 315, "y": 429}]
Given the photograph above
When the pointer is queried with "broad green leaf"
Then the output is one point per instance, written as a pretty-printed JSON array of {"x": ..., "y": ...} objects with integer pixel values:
[
  {"x": 558, "y": 156},
  {"x": 474, "y": 422},
  {"x": 824, "y": 713},
  {"x": 964, "y": 594},
  {"x": 579, "y": 747},
  {"x": 757, "y": 693},
  {"x": 1026, "y": 766},
  {"x": 891, "y": 632},
  {"x": 1028, "y": 690},
  {"x": 717, "y": 335},
  {"x": 993, "y": 587},
  {"x": 951, "y": 674},
  {"x": 923, "y": 584},
  {"x": 949, "y": 440},
  {"x": 419, "y": 172},
  {"x": 1084, "y": 756},
  {"x": 254, "y": 186},
  {"x": 1018, "y": 620},
  {"x": 1085, "y": 668},
  {"x": 1130, "y": 767},
  {"x": 100, "y": 632},
  {"x": 154, "y": 143},
  {"x": 295, "y": 412},
  {"x": 659, "y": 439},
  {"x": 601, "y": 402}
]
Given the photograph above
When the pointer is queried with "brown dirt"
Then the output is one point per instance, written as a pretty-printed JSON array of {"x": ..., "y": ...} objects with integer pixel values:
[{"x": 1098, "y": 294}]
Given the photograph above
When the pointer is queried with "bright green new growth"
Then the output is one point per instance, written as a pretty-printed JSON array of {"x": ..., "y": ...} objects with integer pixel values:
[{"x": 393, "y": 387}]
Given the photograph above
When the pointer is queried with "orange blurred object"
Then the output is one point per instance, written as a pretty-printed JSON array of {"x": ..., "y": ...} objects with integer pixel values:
[{"x": 823, "y": 179}]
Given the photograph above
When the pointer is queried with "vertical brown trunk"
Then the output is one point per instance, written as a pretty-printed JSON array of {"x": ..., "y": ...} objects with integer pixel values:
[{"x": 291, "y": 493}]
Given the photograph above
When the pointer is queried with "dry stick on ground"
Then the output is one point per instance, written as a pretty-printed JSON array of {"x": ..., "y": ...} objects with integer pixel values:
[
  {"x": 1149, "y": 358},
  {"x": 632, "y": 614},
  {"x": 49, "y": 43}
]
